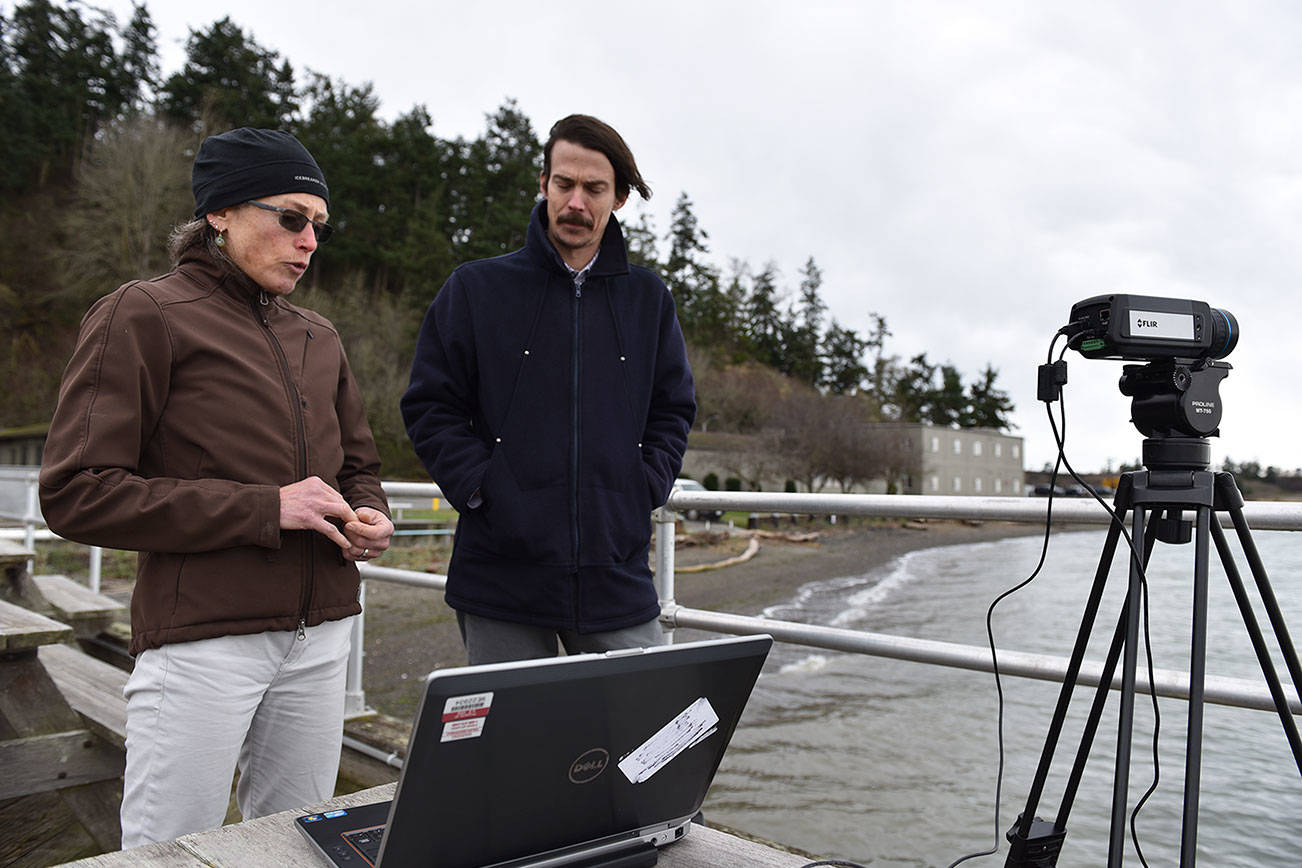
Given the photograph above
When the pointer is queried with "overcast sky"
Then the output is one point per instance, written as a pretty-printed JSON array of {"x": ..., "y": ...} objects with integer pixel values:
[{"x": 969, "y": 173}]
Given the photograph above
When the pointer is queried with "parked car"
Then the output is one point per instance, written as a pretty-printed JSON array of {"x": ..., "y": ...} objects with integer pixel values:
[{"x": 684, "y": 484}]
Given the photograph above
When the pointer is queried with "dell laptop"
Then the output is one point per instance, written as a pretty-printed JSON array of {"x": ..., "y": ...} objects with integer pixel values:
[{"x": 590, "y": 760}]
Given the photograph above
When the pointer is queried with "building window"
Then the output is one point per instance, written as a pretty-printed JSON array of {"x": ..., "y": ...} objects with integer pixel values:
[
  {"x": 999, "y": 449},
  {"x": 976, "y": 447},
  {"x": 999, "y": 486},
  {"x": 958, "y": 446},
  {"x": 935, "y": 444},
  {"x": 958, "y": 484},
  {"x": 976, "y": 485},
  {"x": 1014, "y": 447},
  {"x": 935, "y": 483}
]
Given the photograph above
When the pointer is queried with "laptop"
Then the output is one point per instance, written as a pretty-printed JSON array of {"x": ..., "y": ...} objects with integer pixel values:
[{"x": 590, "y": 760}]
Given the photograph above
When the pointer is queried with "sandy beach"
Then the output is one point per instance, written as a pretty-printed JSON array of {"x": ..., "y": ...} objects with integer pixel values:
[{"x": 410, "y": 631}]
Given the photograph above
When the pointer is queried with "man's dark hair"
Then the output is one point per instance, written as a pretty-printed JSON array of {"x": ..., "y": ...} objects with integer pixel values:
[{"x": 588, "y": 132}]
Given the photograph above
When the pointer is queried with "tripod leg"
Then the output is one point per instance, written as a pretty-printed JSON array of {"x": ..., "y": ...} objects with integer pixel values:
[
  {"x": 1268, "y": 597},
  {"x": 1100, "y": 698},
  {"x": 1021, "y": 832},
  {"x": 1258, "y": 642},
  {"x": 1126, "y": 715},
  {"x": 1197, "y": 678}
]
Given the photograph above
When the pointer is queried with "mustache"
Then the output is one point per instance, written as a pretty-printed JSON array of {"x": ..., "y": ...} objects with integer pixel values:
[{"x": 573, "y": 218}]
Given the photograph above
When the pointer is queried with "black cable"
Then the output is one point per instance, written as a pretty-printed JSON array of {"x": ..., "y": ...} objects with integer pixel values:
[
  {"x": 833, "y": 862},
  {"x": 990, "y": 632},
  {"x": 1053, "y": 375},
  {"x": 1144, "y": 611}
]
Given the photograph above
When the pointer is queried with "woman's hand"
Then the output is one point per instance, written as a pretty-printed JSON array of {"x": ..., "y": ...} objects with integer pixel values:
[{"x": 368, "y": 535}]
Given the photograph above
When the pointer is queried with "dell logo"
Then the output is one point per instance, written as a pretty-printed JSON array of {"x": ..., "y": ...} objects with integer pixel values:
[{"x": 589, "y": 766}]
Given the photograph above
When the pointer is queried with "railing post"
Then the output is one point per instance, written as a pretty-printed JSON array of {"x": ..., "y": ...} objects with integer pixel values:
[
  {"x": 96, "y": 561},
  {"x": 354, "y": 695},
  {"x": 31, "y": 518},
  {"x": 664, "y": 519}
]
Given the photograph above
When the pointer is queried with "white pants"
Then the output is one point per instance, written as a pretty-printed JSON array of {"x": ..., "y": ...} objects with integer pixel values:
[{"x": 270, "y": 703}]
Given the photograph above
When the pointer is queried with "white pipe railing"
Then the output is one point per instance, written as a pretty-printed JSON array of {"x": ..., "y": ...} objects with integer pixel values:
[
  {"x": 33, "y": 522},
  {"x": 1077, "y": 511}
]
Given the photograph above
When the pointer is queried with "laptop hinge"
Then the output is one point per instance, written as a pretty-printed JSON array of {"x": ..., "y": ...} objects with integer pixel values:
[{"x": 639, "y": 854}]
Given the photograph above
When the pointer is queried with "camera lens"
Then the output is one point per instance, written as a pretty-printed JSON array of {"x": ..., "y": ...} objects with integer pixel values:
[{"x": 1225, "y": 333}]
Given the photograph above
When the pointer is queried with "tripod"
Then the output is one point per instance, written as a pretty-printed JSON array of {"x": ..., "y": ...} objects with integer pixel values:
[{"x": 1177, "y": 479}]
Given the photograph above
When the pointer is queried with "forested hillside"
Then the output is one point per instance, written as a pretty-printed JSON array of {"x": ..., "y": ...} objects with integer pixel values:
[{"x": 94, "y": 172}]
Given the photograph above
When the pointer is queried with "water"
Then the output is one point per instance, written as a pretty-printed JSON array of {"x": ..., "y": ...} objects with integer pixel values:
[{"x": 892, "y": 763}]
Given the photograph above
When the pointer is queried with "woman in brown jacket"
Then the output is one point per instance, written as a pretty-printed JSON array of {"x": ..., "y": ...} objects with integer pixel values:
[{"x": 216, "y": 429}]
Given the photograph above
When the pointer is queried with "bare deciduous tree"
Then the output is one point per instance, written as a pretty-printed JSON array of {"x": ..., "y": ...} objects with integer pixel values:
[{"x": 132, "y": 187}]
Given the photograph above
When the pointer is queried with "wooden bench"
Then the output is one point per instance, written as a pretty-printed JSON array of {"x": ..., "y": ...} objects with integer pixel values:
[
  {"x": 59, "y": 773},
  {"x": 92, "y": 687},
  {"x": 59, "y": 597},
  {"x": 89, "y": 613}
]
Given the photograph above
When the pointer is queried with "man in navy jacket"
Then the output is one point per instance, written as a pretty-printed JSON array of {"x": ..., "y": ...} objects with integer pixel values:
[{"x": 550, "y": 399}]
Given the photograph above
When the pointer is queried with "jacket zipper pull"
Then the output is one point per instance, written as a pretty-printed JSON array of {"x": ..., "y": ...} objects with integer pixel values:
[{"x": 302, "y": 630}]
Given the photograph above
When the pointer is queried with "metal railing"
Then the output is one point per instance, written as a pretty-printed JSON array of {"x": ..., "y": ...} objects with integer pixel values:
[
  {"x": 25, "y": 480},
  {"x": 1225, "y": 691}
]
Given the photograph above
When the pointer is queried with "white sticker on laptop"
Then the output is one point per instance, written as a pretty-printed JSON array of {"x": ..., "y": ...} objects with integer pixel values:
[
  {"x": 464, "y": 716},
  {"x": 696, "y": 722}
]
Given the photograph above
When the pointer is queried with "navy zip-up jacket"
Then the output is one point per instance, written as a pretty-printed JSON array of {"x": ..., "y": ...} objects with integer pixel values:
[{"x": 554, "y": 419}]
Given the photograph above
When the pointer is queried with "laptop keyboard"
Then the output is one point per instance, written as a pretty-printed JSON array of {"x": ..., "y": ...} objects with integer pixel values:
[{"x": 366, "y": 842}]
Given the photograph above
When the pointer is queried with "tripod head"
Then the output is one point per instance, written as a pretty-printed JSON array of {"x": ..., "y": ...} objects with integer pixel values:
[
  {"x": 1176, "y": 404},
  {"x": 1175, "y": 397}
]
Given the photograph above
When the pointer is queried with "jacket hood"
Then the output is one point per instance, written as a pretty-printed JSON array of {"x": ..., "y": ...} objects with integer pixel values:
[{"x": 612, "y": 255}]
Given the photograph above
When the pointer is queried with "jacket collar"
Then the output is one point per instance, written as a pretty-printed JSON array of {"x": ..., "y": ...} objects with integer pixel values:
[
  {"x": 612, "y": 255},
  {"x": 209, "y": 270}
]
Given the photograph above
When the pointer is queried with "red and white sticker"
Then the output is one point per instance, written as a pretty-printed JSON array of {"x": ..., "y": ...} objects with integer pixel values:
[{"x": 464, "y": 716}]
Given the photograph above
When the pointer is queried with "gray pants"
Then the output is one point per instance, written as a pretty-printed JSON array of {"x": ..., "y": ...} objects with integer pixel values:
[
  {"x": 488, "y": 640},
  {"x": 269, "y": 703}
]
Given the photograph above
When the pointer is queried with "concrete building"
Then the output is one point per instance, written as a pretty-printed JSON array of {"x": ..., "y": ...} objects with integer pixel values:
[{"x": 963, "y": 461}]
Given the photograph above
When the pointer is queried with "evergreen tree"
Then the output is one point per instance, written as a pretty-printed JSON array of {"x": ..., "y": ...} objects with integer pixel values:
[
  {"x": 801, "y": 359},
  {"x": 229, "y": 80},
  {"x": 882, "y": 369},
  {"x": 418, "y": 167},
  {"x": 692, "y": 282},
  {"x": 915, "y": 390},
  {"x": 497, "y": 186},
  {"x": 140, "y": 59},
  {"x": 948, "y": 403},
  {"x": 62, "y": 79},
  {"x": 341, "y": 130},
  {"x": 764, "y": 325},
  {"x": 988, "y": 407},
  {"x": 640, "y": 237},
  {"x": 843, "y": 367}
]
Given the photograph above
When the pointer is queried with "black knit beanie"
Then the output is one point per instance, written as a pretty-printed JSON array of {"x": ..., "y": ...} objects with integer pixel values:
[{"x": 243, "y": 164}]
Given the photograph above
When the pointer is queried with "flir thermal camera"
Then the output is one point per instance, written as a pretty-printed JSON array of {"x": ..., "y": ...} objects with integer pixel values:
[{"x": 1148, "y": 328}]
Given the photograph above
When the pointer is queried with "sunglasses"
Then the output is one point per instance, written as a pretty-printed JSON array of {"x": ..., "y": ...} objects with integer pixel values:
[{"x": 294, "y": 221}]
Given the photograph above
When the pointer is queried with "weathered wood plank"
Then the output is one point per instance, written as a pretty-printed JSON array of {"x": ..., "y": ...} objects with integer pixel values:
[
  {"x": 13, "y": 553},
  {"x": 92, "y": 687},
  {"x": 97, "y": 807},
  {"x": 85, "y": 610},
  {"x": 168, "y": 854},
  {"x": 42, "y": 763},
  {"x": 30, "y": 703},
  {"x": 40, "y": 830},
  {"x": 709, "y": 848},
  {"x": 274, "y": 841},
  {"x": 23, "y": 630}
]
